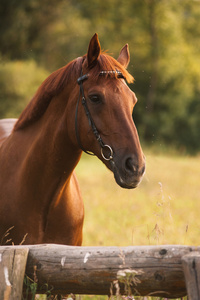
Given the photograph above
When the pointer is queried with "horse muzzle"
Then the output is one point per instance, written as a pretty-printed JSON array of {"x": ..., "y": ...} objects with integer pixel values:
[{"x": 127, "y": 172}]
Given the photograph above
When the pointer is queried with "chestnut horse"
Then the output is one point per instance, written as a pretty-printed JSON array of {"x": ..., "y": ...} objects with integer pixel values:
[{"x": 85, "y": 105}]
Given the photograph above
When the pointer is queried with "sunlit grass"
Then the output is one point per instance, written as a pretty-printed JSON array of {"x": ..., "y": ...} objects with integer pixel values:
[{"x": 164, "y": 209}]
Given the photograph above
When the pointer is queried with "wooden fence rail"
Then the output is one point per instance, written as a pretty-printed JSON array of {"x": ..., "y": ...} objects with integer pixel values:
[{"x": 167, "y": 271}]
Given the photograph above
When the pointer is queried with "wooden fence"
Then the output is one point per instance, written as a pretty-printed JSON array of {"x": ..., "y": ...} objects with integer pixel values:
[{"x": 166, "y": 271}]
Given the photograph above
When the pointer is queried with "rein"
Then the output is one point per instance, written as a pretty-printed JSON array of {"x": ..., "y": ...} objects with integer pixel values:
[{"x": 103, "y": 146}]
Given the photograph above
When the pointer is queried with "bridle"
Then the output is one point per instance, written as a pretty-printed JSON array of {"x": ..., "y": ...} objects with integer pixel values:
[{"x": 104, "y": 147}]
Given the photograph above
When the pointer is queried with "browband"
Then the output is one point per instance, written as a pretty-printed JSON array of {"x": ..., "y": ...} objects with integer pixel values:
[
  {"x": 119, "y": 74},
  {"x": 84, "y": 77}
]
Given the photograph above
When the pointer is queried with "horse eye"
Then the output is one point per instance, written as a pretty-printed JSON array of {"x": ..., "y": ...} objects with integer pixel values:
[{"x": 95, "y": 98}]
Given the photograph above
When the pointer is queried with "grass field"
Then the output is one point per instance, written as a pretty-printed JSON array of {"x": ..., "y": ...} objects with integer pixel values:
[{"x": 164, "y": 209}]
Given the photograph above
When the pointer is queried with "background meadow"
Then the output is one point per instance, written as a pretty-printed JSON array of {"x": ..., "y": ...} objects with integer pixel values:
[{"x": 164, "y": 209}]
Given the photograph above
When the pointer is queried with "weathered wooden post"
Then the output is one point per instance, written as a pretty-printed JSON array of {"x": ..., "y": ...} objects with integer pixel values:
[
  {"x": 94, "y": 270},
  {"x": 191, "y": 266},
  {"x": 12, "y": 268},
  {"x": 164, "y": 271}
]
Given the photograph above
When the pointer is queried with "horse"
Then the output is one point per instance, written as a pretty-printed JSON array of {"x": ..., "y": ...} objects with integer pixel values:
[{"x": 83, "y": 106}]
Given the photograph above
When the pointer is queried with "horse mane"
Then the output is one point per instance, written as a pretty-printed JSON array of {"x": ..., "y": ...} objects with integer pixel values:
[
  {"x": 51, "y": 86},
  {"x": 55, "y": 83}
]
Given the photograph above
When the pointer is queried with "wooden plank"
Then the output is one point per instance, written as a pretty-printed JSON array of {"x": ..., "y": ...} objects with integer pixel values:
[
  {"x": 94, "y": 270},
  {"x": 191, "y": 266},
  {"x": 140, "y": 270},
  {"x": 12, "y": 269}
]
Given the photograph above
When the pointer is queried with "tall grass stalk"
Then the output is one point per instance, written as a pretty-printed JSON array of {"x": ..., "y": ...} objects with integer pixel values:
[{"x": 164, "y": 209}]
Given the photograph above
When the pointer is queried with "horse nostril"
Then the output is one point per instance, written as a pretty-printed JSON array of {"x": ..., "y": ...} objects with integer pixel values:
[
  {"x": 129, "y": 166},
  {"x": 132, "y": 167}
]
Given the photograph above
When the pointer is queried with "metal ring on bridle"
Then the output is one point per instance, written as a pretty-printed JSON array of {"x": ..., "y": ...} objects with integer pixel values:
[{"x": 111, "y": 152}]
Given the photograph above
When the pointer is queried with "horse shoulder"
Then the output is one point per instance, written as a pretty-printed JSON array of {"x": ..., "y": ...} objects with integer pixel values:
[{"x": 6, "y": 127}]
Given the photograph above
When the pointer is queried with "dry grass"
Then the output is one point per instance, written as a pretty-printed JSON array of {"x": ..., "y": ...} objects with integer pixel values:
[{"x": 164, "y": 209}]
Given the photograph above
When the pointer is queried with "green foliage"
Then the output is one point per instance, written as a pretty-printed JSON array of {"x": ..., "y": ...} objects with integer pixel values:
[
  {"x": 23, "y": 24},
  {"x": 30, "y": 288},
  {"x": 164, "y": 43},
  {"x": 19, "y": 81}
]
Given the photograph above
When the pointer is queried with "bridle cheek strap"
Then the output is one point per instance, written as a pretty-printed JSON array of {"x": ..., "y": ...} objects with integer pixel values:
[{"x": 104, "y": 148}]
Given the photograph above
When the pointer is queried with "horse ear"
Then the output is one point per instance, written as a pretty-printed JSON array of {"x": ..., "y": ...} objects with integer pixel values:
[
  {"x": 124, "y": 56},
  {"x": 94, "y": 50}
]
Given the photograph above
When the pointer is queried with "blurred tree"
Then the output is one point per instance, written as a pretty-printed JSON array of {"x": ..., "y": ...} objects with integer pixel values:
[
  {"x": 23, "y": 24},
  {"x": 164, "y": 43},
  {"x": 18, "y": 83}
]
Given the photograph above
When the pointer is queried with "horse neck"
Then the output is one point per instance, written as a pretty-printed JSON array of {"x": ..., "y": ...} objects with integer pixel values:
[{"x": 48, "y": 142}]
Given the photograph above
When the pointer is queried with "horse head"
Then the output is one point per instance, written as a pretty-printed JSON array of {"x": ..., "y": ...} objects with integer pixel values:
[{"x": 105, "y": 124}]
